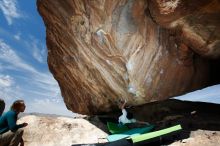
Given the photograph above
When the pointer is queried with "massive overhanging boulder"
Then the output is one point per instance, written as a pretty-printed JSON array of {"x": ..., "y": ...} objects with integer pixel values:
[
  {"x": 198, "y": 22},
  {"x": 101, "y": 51}
]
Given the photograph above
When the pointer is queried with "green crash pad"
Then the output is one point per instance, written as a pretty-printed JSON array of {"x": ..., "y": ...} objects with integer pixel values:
[
  {"x": 116, "y": 128},
  {"x": 135, "y": 131},
  {"x": 151, "y": 135}
]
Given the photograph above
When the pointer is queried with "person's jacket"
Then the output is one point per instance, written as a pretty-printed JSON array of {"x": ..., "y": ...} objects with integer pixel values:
[{"x": 8, "y": 122}]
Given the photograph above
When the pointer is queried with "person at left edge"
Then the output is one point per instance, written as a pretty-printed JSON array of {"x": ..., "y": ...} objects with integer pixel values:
[{"x": 11, "y": 133}]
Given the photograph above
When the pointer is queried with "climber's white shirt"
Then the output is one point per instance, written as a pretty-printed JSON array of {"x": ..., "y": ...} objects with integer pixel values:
[{"x": 123, "y": 118}]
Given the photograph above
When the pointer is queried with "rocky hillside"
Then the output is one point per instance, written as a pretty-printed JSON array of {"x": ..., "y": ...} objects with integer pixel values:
[{"x": 101, "y": 51}]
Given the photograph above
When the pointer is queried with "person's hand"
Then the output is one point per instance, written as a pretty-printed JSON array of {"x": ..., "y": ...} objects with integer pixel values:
[{"x": 25, "y": 124}]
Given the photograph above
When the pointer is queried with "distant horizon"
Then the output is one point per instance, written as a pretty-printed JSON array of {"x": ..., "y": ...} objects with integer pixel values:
[{"x": 50, "y": 115}]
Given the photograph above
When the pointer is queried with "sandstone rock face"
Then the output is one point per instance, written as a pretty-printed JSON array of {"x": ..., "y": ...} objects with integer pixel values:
[
  {"x": 101, "y": 51},
  {"x": 59, "y": 131},
  {"x": 198, "y": 22}
]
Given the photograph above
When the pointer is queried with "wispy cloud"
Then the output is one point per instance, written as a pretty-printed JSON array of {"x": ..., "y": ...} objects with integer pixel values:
[
  {"x": 7, "y": 54},
  {"x": 43, "y": 82},
  {"x": 9, "y": 89},
  {"x": 17, "y": 36},
  {"x": 23, "y": 63},
  {"x": 34, "y": 46},
  {"x": 41, "y": 90},
  {"x": 10, "y": 10},
  {"x": 38, "y": 49},
  {"x": 6, "y": 81}
]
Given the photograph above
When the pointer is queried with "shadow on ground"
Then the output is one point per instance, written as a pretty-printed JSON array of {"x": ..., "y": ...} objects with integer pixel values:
[{"x": 191, "y": 115}]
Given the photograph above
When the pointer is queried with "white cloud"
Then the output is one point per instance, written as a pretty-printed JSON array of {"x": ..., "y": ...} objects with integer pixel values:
[
  {"x": 42, "y": 80},
  {"x": 7, "y": 54},
  {"x": 44, "y": 83},
  {"x": 10, "y": 10},
  {"x": 9, "y": 89},
  {"x": 35, "y": 84},
  {"x": 38, "y": 49},
  {"x": 6, "y": 81},
  {"x": 17, "y": 36},
  {"x": 39, "y": 54}
]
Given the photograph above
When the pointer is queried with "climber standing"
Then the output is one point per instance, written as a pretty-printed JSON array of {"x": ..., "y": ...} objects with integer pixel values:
[
  {"x": 10, "y": 132},
  {"x": 127, "y": 118}
]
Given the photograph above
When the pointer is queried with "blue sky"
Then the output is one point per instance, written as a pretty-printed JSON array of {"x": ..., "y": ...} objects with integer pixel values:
[
  {"x": 209, "y": 94},
  {"x": 24, "y": 71}
]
